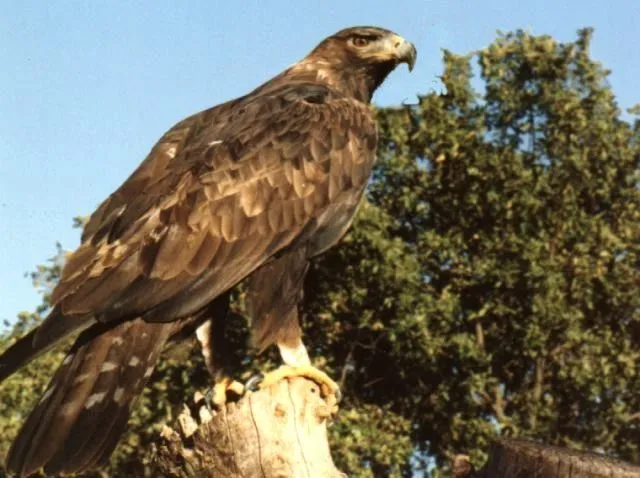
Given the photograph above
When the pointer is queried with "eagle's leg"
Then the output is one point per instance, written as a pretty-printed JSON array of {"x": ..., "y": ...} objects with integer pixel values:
[
  {"x": 297, "y": 364},
  {"x": 273, "y": 293},
  {"x": 214, "y": 347}
]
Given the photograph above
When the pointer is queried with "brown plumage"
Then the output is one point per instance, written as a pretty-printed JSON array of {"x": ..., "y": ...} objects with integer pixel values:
[{"x": 257, "y": 185}]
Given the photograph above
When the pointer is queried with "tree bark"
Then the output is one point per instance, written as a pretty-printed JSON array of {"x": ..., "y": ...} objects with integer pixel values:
[
  {"x": 279, "y": 431},
  {"x": 514, "y": 458}
]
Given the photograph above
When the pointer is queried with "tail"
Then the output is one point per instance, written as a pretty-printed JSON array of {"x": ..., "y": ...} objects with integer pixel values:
[
  {"x": 40, "y": 340},
  {"x": 79, "y": 419}
]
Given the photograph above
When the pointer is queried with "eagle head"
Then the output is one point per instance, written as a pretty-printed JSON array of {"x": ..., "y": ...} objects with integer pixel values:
[
  {"x": 373, "y": 46},
  {"x": 356, "y": 60}
]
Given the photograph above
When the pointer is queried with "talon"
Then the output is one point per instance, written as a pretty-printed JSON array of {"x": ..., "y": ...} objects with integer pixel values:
[
  {"x": 253, "y": 384},
  {"x": 338, "y": 394},
  {"x": 208, "y": 399},
  {"x": 217, "y": 397}
]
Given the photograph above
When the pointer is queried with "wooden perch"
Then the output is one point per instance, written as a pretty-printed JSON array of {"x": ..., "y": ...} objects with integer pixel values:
[
  {"x": 276, "y": 432},
  {"x": 514, "y": 458},
  {"x": 281, "y": 432}
]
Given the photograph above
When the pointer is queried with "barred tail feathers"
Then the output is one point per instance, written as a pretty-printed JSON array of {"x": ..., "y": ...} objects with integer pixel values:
[{"x": 78, "y": 421}]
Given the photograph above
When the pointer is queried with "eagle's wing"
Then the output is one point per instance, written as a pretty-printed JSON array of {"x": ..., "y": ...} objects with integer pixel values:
[
  {"x": 214, "y": 201},
  {"x": 221, "y": 194}
]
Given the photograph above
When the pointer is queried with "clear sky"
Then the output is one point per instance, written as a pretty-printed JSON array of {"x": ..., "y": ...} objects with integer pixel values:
[{"x": 86, "y": 88}]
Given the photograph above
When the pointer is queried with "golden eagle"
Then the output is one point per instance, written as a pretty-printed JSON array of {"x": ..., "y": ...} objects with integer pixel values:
[{"x": 252, "y": 188}]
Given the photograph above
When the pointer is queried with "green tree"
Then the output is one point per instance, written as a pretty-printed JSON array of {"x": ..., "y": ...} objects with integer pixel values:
[
  {"x": 521, "y": 206},
  {"x": 489, "y": 285}
]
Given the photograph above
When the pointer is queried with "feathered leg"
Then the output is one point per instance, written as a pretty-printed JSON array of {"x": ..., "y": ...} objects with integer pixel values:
[{"x": 274, "y": 292}]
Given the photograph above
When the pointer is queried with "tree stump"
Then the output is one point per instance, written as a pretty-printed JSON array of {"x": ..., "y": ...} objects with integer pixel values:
[
  {"x": 279, "y": 432},
  {"x": 514, "y": 458}
]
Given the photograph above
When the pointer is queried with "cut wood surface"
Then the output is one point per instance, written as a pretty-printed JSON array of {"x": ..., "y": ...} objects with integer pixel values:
[{"x": 280, "y": 431}]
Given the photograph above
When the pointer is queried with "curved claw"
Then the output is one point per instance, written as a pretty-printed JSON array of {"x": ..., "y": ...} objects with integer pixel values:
[
  {"x": 209, "y": 400},
  {"x": 253, "y": 384},
  {"x": 338, "y": 394}
]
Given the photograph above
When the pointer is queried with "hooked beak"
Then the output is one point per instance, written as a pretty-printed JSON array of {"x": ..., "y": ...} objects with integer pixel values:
[{"x": 402, "y": 50}]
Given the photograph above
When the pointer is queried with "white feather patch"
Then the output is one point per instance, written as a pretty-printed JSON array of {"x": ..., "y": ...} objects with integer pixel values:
[
  {"x": 117, "y": 396},
  {"x": 82, "y": 377},
  {"x": 108, "y": 367},
  {"x": 94, "y": 399},
  {"x": 203, "y": 335},
  {"x": 171, "y": 152},
  {"x": 296, "y": 356}
]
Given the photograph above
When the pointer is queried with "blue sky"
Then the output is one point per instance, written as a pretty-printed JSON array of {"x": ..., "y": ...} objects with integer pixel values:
[{"x": 87, "y": 87}]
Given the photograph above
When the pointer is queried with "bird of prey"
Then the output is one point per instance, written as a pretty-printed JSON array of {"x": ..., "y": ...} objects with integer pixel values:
[{"x": 252, "y": 188}]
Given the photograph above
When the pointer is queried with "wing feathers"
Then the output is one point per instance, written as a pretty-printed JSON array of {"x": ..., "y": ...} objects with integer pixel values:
[
  {"x": 40, "y": 340},
  {"x": 175, "y": 250},
  {"x": 270, "y": 165},
  {"x": 204, "y": 255},
  {"x": 97, "y": 292}
]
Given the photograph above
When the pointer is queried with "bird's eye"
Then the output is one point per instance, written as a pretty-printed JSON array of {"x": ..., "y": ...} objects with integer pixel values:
[{"x": 360, "y": 41}]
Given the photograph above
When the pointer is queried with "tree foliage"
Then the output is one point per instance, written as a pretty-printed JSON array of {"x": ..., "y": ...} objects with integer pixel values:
[{"x": 489, "y": 285}]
